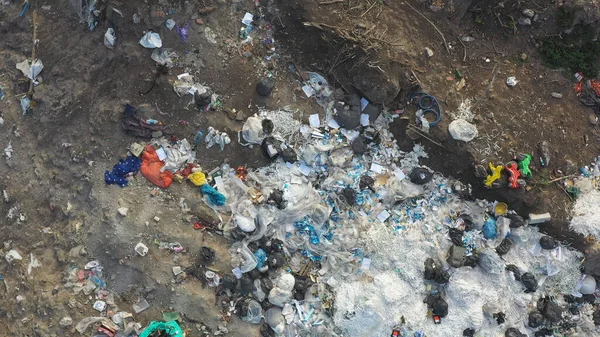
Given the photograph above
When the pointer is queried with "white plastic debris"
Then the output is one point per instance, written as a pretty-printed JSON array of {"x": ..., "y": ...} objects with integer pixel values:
[
  {"x": 252, "y": 131},
  {"x": 587, "y": 285},
  {"x": 216, "y": 137},
  {"x": 122, "y": 211},
  {"x": 247, "y": 19},
  {"x": 33, "y": 263},
  {"x": 511, "y": 81},
  {"x": 110, "y": 38},
  {"x": 586, "y": 214},
  {"x": 460, "y": 129},
  {"x": 99, "y": 305},
  {"x": 12, "y": 255},
  {"x": 170, "y": 23},
  {"x": 31, "y": 70},
  {"x": 151, "y": 40},
  {"x": 8, "y": 150},
  {"x": 141, "y": 249},
  {"x": 163, "y": 56}
]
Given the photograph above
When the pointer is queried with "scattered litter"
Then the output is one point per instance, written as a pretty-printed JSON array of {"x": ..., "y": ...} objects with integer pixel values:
[
  {"x": 12, "y": 255},
  {"x": 460, "y": 129},
  {"x": 170, "y": 24},
  {"x": 141, "y": 305},
  {"x": 511, "y": 81},
  {"x": 31, "y": 70},
  {"x": 141, "y": 249},
  {"x": 110, "y": 38},
  {"x": 151, "y": 40}
]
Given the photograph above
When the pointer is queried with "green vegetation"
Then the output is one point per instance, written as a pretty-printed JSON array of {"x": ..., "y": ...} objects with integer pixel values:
[{"x": 564, "y": 18}]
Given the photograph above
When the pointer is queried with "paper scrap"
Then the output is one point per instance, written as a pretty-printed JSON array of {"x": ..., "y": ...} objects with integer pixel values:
[
  {"x": 384, "y": 215},
  {"x": 333, "y": 124},
  {"x": 314, "y": 120},
  {"x": 363, "y": 104},
  {"x": 366, "y": 264},
  {"x": 305, "y": 169},
  {"x": 377, "y": 168},
  {"x": 399, "y": 174},
  {"x": 162, "y": 155},
  {"x": 248, "y": 18},
  {"x": 308, "y": 90},
  {"x": 364, "y": 119}
]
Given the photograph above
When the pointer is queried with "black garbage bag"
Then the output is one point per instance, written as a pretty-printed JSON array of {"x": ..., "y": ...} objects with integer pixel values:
[
  {"x": 254, "y": 274},
  {"x": 207, "y": 255},
  {"x": 596, "y": 316},
  {"x": 271, "y": 146},
  {"x": 228, "y": 281},
  {"x": 504, "y": 246},
  {"x": 536, "y": 319},
  {"x": 456, "y": 256},
  {"x": 456, "y": 236},
  {"x": 289, "y": 155},
  {"x": 574, "y": 310},
  {"x": 550, "y": 310},
  {"x": 366, "y": 182},
  {"x": 420, "y": 176},
  {"x": 548, "y": 242},
  {"x": 500, "y": 317},
  {"x": 529, "y": 282},
  {"x": 468, "y": 222},
  {"x": 246, "y": 284},
  {"x": 276, "y": 199},
  {"x": 347, "y": 117},
  {"x": 516, "y": 221},
  {"x": 470, "y": 332},
  {"x": 265, "y": 86},
  {"x": 434, "y": 271},
  {"x": 276, "y": 260},
  {"x": 513, "y": 332},
  {"x": 436, "y": 303},
  {"x": 349, "y": 195},
  {"x": 359, "y": 145},
  {"x": 515, "y": 270},
  {"x": 471, "y": 261},
  {"x": 202, "y": 100},
  {"x": 266, "y": 331},
  {"x": 267, "y": 126}
]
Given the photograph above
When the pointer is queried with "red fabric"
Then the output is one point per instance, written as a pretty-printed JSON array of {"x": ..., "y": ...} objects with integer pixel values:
[{"x": 151, "y": 166}]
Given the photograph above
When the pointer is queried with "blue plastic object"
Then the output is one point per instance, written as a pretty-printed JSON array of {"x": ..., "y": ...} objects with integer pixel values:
[
  {"x": 489, "y": 228},
  {"x": 125, "y": 166},
  {"x": 261, "y": 256},
  {"x": 214, "y": 196}
]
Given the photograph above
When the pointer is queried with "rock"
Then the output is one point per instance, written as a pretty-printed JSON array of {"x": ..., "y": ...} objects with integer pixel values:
[
  {"x": 523, "y": 57},
  {"x": 77, "y": 251},
  {"x": 556, "y": 95},
  {"x": 66, "y": 321},
  {"x": 528, "y": 12},
  {"x": 480, "y": 171},
  {"x": 265, "y": 86},
  {"x": 199, "y": 21},
  {"x": 548, "y": 242},
  {"x": 592, "y": 118},
  {"x": 428, "y": 52},
  {"x": 460, "y": 129},
  {"x": 240, "y": 116},
  {"x": 523, "y": 21},
  {"x": 123, "y": 211},
  {"x": 157, "y": 134}
]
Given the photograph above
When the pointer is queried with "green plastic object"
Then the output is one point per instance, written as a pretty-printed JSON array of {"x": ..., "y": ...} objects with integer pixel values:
[
  {"x": 171, "y": 328},
  {"x": 524, "y": 166},
  {"x": 171, "y": 316}
]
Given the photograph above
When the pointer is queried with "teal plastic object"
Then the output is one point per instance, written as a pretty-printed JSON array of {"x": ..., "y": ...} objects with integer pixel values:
[{"x": 170, "y": 327}]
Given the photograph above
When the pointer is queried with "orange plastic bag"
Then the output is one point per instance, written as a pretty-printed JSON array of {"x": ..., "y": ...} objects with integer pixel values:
[{"x": 151, "y": 166}]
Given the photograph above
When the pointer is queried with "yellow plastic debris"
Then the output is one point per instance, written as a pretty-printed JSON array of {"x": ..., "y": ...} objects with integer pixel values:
[{"x": 197, "y": 178}]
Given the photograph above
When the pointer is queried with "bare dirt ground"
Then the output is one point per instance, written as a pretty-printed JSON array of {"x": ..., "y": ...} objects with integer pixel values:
[{"x": 61, "y": 150}]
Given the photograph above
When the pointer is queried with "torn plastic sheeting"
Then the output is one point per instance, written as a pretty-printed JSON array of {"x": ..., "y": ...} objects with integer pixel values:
[
  {"x": 31, "y": 70},
  {"x": 85, "y": 323},
  {"x": 184, "y": 85},
  {"x": 163, "y": 56},
  {"x": 178, "y": 154},
  {"x": 252, "y": 130},
  {"x": 171, "y": 328},
  {"x": 151, "y": 40}
]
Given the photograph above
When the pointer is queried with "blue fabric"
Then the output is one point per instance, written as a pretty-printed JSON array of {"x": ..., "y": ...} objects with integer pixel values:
[
  {"x": 120, "y": 170},
  {"x": 489, "y": 228},
  {"x": 214, "y": 196}
]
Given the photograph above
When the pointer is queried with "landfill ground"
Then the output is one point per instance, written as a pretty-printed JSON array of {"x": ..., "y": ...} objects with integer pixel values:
[{"x": 61, "y": 150}]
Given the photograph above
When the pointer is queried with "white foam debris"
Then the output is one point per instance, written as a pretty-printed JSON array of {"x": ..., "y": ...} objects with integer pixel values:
[{"x": 586, "y": 214}]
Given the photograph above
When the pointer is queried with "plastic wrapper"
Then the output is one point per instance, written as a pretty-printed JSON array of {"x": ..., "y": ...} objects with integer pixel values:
[{"x": 242, "y": 257}]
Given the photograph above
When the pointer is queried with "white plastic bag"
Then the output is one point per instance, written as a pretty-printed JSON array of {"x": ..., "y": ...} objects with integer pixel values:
[
  {"x": 460, "y": 129},
  {"x": 151, "y": 40},
  {"x": 252, "y": 130},
  {"x": 110, "y": 38}
]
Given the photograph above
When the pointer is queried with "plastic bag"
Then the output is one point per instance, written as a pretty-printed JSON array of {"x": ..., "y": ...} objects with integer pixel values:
[
  {"x": 242, "y": 257},
  {"x": 151, "y": 40},
  {"x": 171, "y": 328},
  {"x": 275, "y": 320},
  {"x": 489, "y": 228},
  {"x": 460, "y": 129},
  {"x": 253, "y": 312},
  {"x": 197, "y": 178},
  {"x": 163, "y": 56},
  {"x": 213, "y": 195},
  {"x": 252, "y": 130},
  {"x": 110, "y": 38}
]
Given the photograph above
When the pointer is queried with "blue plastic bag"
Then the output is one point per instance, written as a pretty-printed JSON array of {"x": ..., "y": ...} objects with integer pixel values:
[
  {"x": 261, "y": 256},
  {"x": 489, "y": 228},
  {"x": 214, "y": 196}
]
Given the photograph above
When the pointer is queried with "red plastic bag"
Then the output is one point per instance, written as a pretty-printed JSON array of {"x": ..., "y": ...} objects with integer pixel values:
[{"x": 151, "y": 166}]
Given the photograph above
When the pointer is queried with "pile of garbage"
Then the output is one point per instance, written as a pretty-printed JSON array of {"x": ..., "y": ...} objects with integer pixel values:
[{"x": 340, "y": 233}]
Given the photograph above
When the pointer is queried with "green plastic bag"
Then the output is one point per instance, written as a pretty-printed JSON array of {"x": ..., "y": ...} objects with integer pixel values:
[{"x": 171, "y": 327}]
